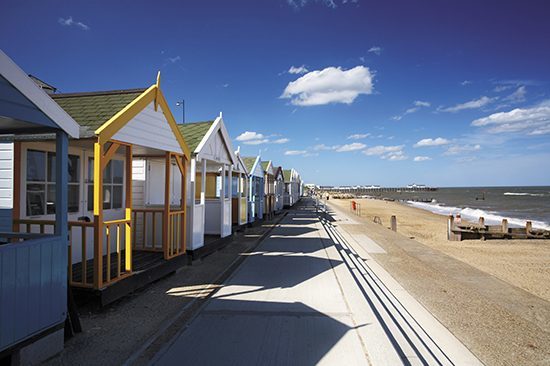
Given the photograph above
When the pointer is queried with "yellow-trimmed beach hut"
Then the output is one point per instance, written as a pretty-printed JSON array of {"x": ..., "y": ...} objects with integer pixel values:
[
  {"x": 118, "y": 129},
  {"x": 240, "y": 184}
]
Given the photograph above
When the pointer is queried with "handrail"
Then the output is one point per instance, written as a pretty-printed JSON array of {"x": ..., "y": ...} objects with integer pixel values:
[{"x": 118, "y": 221}]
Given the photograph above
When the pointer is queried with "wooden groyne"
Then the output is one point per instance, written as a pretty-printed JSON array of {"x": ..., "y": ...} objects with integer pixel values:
[{"x": 458, "y": 230}]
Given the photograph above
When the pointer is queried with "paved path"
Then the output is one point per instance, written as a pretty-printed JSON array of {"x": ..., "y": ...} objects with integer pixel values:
[{"x": 306, "y": 297}]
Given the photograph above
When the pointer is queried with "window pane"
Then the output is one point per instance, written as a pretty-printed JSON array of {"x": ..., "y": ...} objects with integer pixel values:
[
  {"x": 36, "y": 166},
  {"x": 35, "y": 199},
  {"x": 74, "y": 169},
  {"x": 51, "y": 167},
  {"x": 74, "y": 195},
  {"x": 90, "y": 169},
  {"x": 50, "y": 199},
  {"x": 107, "y": 176},
  {"x": 118, "y": 171},
  {"x": 107, "y": 199},
  {"x": 117, "y": 196},
  {"x": 90, "y": 197}
]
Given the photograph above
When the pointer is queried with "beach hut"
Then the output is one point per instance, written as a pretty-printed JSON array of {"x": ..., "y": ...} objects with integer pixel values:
[
  {"x": 239, "y": 185},
  {"x": 291, "y": 193},
  {"x": 33, "y": 275},
  {"x": 116, "y": 235},
  {"x": 256, "y": 188},
  {"x": 279, "y": 188},
  {"x": 210, "y": 195},
  {"x": 269, "y": 189}
]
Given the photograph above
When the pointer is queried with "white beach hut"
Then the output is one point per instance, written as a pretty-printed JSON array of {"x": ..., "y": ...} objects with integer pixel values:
[
  {"x": 256, "y": 189},
  {"x": 279, "y": 188},
  {"x": 210, "y": 195},
  {"x": 240, "y": 188}
]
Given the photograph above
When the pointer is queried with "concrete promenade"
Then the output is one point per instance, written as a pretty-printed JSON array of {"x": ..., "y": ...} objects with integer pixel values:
[{"x": 306, "y": 296}]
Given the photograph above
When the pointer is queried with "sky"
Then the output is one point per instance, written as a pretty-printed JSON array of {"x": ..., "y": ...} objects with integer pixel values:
[{"x": 347, "y": 92}]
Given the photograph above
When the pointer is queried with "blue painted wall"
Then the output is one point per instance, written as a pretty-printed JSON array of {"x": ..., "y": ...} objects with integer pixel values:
[{"x": 5, "y": 219}]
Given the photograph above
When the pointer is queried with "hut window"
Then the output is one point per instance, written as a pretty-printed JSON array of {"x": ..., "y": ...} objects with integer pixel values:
[
  {"x": 41, "y": 183},
  {"x": 113, "y": 182}
]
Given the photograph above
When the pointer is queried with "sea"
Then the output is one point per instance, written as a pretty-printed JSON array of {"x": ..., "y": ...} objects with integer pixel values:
[{"x": 517, "y": 204}]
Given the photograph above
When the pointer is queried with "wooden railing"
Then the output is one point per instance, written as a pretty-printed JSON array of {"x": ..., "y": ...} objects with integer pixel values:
[
  {"x": 118, "y": 228},
  {"x": 176, "y": 234},
  {"x": 42, "y": 226},
  {"x": 146, "y": 228}
]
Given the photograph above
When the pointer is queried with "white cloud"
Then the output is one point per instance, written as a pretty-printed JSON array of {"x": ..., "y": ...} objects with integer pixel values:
[
  {"x": 459, "y": 149},
  {"x": 377, "y": 50},
  {"x": 296, "y": 152},
  {"x": 225, "y": 85},
  {"x": 518, "y": 96},
  {"x": 297, "y": 70},
  {"x": 298, "y": 4},
  {"x": 249, "y": 135},
  {"x": 501, "y": 88},
  {"x": 351, "y": 147},
  {"x": 432, "y": 142},
  {"x": 173, "y": 60},
  {"x": 70, "y": 22},
  {"x": 330, "y": 85},
  {"x": 465, "y": 82},
  {"x": 256, "y": 142},
  {"x": 531, "y": 121},
  {"x": 472, "y": 104},
  {"x": 358, "y": 136},
  {"x": 395, "y": 156},
  {"x": 421, "y": 158},
  {"x": 380, "y": 150},
  {"x": 418, "y": 104},
  {"x": 281, "y": 141},
  {"x": 320, "y": 147}
]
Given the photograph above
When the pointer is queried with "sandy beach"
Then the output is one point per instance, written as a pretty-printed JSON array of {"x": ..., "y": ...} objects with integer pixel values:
[{"x": 522, "y": 263}]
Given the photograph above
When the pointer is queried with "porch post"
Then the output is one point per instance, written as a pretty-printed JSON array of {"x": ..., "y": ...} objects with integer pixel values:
[
  {"x": 183, "y": 204},
  {"x": 128, "y": 211},
  {"x": 98, "y": 215},
  {"x": 166, "y": 227},
  {"x": 222, "y": 200},
  {"x": 203, "y": 182},
  {"x": 240, "y": 197},
  {"x": 61, "y": 200},
  {"x": 16, "y": 199}
]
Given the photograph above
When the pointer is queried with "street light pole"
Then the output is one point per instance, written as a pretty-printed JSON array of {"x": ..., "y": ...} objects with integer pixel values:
[{"x": 182, "y": 105}]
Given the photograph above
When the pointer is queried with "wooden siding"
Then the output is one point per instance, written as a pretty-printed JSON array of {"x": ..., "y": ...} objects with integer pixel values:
[
  {"x": 33, "y": 288},
  {"x": 150, "y": 129}
]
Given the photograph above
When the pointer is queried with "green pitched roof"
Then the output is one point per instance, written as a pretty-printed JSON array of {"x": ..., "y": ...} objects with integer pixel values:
[
  {"x": 265, "y": 164},
  {"x": 91, "y": 110},
  {"x": 249, "y": 162},
  {"x": 287, "y": 173},
  {"x": 193, "y": 133}
]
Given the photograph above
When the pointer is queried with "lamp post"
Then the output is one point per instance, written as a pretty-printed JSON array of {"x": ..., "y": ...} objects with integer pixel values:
[{"x": 182, "y": 105}]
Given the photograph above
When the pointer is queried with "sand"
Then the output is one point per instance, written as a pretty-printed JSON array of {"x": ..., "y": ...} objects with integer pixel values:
[{"x": 522, "y": 263}]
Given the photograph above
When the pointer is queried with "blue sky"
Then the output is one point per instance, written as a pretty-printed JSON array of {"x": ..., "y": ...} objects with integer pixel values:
[{"x": 445, "y": 93}]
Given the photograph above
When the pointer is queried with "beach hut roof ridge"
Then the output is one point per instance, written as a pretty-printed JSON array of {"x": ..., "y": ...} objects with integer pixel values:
[{"x": 194, "y": 132}]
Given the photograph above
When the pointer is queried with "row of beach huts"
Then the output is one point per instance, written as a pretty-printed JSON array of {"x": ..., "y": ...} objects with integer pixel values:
[{"x": 103, "y": 192}]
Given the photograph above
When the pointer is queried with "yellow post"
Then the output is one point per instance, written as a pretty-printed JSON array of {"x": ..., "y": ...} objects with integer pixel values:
[
  {"x": 98, "y": 216},
  {"x": 128, "y": 211}
]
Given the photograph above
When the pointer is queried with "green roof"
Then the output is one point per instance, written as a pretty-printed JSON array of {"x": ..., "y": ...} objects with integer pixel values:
[
  {"x": 91, "y": 110},
  {"x": 265, "y": 164},
  {"x": 193, "y": 133},
  {"x": 249, "y": 162},
  {"x": 287, "y": 174}
]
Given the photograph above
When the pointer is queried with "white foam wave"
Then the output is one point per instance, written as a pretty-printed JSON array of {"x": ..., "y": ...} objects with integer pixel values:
[
  {"x": 523, "y": 194},
  {"x": 473, "y": 214}
]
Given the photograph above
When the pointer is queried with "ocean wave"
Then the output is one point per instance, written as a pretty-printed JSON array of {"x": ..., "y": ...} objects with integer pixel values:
[
  {"x": 523, "y": 194},
  {"x": 473, "y": 214}
]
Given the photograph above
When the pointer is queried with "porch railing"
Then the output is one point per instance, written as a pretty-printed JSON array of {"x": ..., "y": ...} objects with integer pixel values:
[
  {"x": 176, "y": 233},
  {"x": 147, "y": 229},
  {"x": 117, "y": 231},
  {"x": 76, "y": 277}
]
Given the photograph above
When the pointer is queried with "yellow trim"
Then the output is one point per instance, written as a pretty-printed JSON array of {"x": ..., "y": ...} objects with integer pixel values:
[
  {"x": 109, "y": 154},
  {"x": 119, "y": 120},
  {"x": 98, "y": 178},
  {"x": 158, "y": 89}
]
